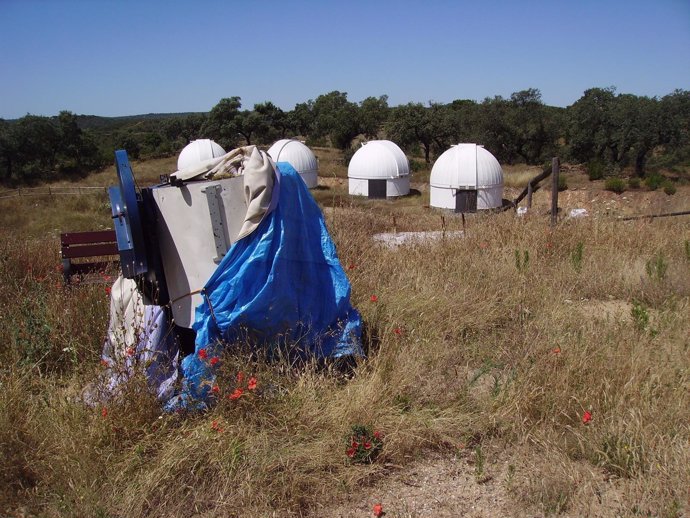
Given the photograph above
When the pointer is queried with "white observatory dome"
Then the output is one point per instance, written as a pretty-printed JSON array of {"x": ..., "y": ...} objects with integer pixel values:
[
  {"x": 465, "y": 178},
  {"x": 379, "y": 169},
  {"x": 198, "y": 151},
  {"x": 299, "y": 156}
]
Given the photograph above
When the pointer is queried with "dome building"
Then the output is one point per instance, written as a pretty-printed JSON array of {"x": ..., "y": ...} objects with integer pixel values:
[
  {"x": 379, "y": 169},
  {"x": 466, "y": 178},
  {"x": 198, "y": 151},
  {"x": 299, "y": 156}
]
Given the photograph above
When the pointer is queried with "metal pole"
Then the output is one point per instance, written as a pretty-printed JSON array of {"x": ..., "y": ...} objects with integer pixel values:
[{"x": 555, "y": 170}]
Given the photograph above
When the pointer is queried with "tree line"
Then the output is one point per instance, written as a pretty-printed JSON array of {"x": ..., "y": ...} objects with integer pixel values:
[{"x": 608, "y": 131}]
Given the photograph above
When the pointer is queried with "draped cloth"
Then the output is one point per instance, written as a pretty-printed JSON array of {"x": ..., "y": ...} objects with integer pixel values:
[{"x": 139, "y": 342}]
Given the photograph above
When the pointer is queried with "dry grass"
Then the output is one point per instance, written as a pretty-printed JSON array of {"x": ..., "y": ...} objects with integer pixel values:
[{"x": 492, "y": 350}]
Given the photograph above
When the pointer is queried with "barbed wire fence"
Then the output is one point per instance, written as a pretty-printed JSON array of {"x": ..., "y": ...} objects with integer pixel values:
[{"x": 51, "y": 191}]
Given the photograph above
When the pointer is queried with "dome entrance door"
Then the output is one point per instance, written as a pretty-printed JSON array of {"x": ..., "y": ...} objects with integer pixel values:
[{"x": 466, "y": 201}]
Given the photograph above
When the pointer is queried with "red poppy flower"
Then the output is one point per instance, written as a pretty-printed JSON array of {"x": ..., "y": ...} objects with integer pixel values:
[
  {"x": 377, "y": 435},
  {"x": 130, "y": 351},
  {"x": 107, "y": 290},
  {"x": 586, "y": 417},
  {"x": 202, "y": 354},
  {"x": 374, "y": 298},
  {"x": 378, "y": 510},
  {"x": 215, "y": 389},
  {"x": 556, "y": 350},
  {"x": 237, "y": 394},
  {"x": 104, "y": 412},
  {"x": 367, "y": 445},
  {"x": 351, "y": 266},
  {"x": 216, "y": 427},
  {"x": 397, "y": 331},
  {"x": 251, "y": 385},
  {"x": 354, "y": 444},
  {"x": 240, "y": 377},
  {"x": 350, "y": 452},
  {"x": 214, "y": 360}
]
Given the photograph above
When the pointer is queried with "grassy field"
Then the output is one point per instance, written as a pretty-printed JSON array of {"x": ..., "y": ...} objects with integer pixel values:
[{"x": 565, "y": 350}]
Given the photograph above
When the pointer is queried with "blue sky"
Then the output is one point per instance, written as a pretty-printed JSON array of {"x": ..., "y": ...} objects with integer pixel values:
[{"x": 121, "y": 57}]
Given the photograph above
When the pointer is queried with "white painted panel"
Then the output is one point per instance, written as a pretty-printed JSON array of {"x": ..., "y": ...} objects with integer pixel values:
[
  {"x": 398, "y": 186},
  {"x": 358, "y": 187},
  {"x": 186, "y": 238}
]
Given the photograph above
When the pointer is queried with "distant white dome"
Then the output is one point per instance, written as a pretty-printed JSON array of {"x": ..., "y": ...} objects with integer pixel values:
[
  {"x": 379, "y": 169},
  {"x": 299, "y": 156},
  {"x": 198, "y": 151},
  {"x": 378, "y": 159},
  {"x": 466, "y": 167}
]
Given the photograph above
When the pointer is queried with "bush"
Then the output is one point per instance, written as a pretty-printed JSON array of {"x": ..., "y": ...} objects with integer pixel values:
[
  {"x": 347, "y": 155},
  {"x": 417, "y": 165},
  {"x": 669, "y": 188},
  {"x": 562, "y": 183},
  {"x": 596, "y": 169},
  {"x": 615, "y": 185},
  {"x": 654, "y": 181},
  {"x": 633, "y": 183}
]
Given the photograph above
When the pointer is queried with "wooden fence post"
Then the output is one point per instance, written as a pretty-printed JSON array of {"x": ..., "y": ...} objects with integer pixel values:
[
  {"x": 529, "y": 194},
  {"x": 555, "y": 170}
]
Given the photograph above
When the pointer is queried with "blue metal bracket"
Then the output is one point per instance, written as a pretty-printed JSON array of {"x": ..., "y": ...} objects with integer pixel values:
[{"x": 127, "y": 219}]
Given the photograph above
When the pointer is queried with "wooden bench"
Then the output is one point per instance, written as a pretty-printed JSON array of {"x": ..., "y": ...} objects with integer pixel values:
[{"x": 100, "y": 245}]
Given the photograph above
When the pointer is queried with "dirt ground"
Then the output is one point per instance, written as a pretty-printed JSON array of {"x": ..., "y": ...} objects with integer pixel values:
[
  {"x": 456, "y": 485},
  {"x": 439, "y": 487}
]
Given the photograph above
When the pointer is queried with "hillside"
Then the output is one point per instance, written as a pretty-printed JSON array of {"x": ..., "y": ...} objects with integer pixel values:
[{"x": 97, "y": 122}]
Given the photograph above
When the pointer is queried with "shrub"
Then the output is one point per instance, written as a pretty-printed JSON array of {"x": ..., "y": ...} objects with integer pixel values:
[
  {"x": 521, "y": 260},
  {"x": 562, "y": 183},
  {"x": 633, "y": 183},
  {"x": 657, "y": 266},
  {"x": 621, "y": 456},
  {"x": 669, "y": 188},
  {"x": 347, "y": 155},
  {"x": 576, "y": 256},
  {"x": 417, "y": 165},
  {"x": 639, "y": 315},
  {"x": 654, "y": 181},
  {"x": 615, "y": 185},
  {"x": 596, "y": 169}
]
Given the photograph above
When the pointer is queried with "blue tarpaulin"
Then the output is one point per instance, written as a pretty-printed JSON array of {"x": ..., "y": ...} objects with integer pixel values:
[{"x": 281, "y": 284}]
